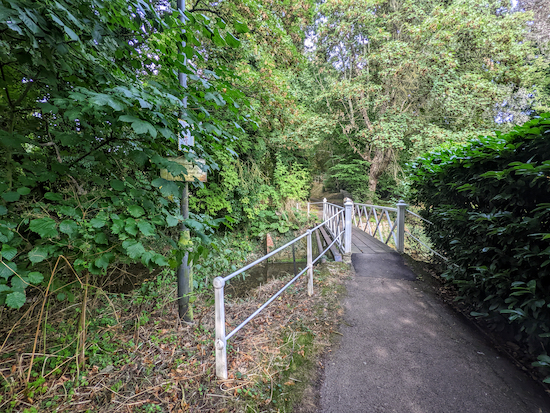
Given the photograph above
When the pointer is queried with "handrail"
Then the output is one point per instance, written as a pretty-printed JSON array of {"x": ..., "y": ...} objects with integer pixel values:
[
  {"x": 377, "y": 206},
  {"x": 259, "y": 260},
  {"x": 418, "y": 216},
  {"x": 338, "y": 231}
]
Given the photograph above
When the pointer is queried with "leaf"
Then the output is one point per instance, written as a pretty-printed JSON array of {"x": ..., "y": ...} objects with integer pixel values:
[
  {"x": 67, "y": 210},
  {"x": 8, "y": 252},
  {"x": 35, "y": 278},
  {"x": 18, "y": 283},
  {"x": 101, "y": 238},
  {"x": 139, "y": 126},
  {"x": 7, "y": 269},
  {"x": 131, "y": 227},
  {"x": 53, "y": 196},
  {"x": 240, "y": 27},
  {"x": 99, "y": 220},
  {"x": 218, "y": 40},
  {"x": 45, "y": 227},
  {"x": 23, "y": 190},
  {"x": 171, "y": 220},
  {"x": 16, "y": 299},
  {"x": 117, "y": 185},
  {"x": 232, "y": 40},
  {"x": 133, "y": 248},
  {"x": 102, "y": 99},
  {"x": 38, "y": 254},
  {"x": 167, "y": 188},
  {"x": 136, "y": 211},
  {"x": 146, "y": 228},
  {"x": 3, "y": 210},
  {"x": 104, "y": 260},
  {"x": 160, "y": 260},
  {"x": 69, "y": 227},
  {"x": 11, "y": 196}
]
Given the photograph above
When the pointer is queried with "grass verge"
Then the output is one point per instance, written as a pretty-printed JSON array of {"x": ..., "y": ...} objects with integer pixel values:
[{"x": 140, "y": 358}]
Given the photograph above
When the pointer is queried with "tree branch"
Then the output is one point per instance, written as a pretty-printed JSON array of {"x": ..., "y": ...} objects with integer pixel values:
[{"x": 6, "y": 88}]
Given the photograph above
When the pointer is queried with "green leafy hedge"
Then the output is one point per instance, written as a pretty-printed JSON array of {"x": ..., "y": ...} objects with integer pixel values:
[{"x": 489, "y": 201}]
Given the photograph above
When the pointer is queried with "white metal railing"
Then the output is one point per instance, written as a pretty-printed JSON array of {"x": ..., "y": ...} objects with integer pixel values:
[
  {"x": 386, "y": 223},
  {"x": 416, "y": 238},
  {"x": 337, "y": 221}
]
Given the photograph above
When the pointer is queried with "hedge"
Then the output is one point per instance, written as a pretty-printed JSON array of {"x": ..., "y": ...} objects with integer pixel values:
[{"x": 489, "y": 202}]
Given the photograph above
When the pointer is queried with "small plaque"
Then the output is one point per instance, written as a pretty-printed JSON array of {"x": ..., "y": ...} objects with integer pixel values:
[{"x": 193, "y": 171}]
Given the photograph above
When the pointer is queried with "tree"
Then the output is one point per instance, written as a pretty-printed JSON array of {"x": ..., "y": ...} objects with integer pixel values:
[
  {"x": 402, "y": 75},
  {"x": 90, "y": 109}
]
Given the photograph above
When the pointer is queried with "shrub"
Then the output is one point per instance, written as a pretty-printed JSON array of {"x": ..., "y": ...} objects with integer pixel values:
[{"x": 489, "y": 201}]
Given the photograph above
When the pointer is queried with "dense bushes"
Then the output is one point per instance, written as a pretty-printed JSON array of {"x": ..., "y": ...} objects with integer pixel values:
[{"x": 489, "y": 202}]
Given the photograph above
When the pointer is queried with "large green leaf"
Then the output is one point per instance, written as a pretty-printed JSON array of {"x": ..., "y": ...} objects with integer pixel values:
[
  {"x": 11, "y": 196},
  {"x": 45, "y": 227},
  {"x": 133, "y": 248},
  {"x": 38, "y": 254},
  {"x": 35, "y": 278},
  {"x": 232, "y": 40},
  {"x": 7, "y": 269},
  {"x": 146, "y": 228},
  {"x": 240, "y": 27},
  {"x": 136, "y": 211},
  {"x": 8, "y": 252},
  {"x": 69, "y": 227},
  {"x": 16, "y": 299}
]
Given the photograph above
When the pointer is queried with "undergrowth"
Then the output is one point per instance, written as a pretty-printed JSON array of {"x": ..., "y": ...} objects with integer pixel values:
[{"x": 139, "y": 357}]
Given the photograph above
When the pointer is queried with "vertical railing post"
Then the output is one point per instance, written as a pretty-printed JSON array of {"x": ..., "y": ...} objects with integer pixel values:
[
  {"x": 401, "y": 211},
  {"x": 221, "y": 342},
  {"x": 308, "y": 210},
  {"x": 348, "y": 205},
  {"x": 324, "y": 209},
  {"x": 309, "y": 264}
]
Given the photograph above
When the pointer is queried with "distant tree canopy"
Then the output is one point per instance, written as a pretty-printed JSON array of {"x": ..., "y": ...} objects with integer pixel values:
[{"x": 401, "y": 77}]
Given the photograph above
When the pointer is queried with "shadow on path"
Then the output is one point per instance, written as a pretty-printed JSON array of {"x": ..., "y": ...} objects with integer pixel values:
[{"x": 402, "y": 350}]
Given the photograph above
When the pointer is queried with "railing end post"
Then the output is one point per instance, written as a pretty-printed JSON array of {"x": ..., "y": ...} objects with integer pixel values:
[
  {"x": 220, "y": 343},
  {"x": 348, "y": 206},
  {"x": 309, "y": 256},
  {"x": 401, "y": 211}
]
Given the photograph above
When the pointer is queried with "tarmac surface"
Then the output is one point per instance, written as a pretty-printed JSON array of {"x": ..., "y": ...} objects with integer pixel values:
[{"x": 403, "y": 350}]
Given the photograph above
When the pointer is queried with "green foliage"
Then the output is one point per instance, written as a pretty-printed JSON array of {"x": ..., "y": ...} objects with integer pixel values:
[
  {"x": 90, "y": 110},
  {"x": 402, "y": 78},
  {"x": 292, "y": 181},
  {"x": 490, "y": 205},
  {"x": 229, "y": 254},
  {"x": 351, "y": 174}
]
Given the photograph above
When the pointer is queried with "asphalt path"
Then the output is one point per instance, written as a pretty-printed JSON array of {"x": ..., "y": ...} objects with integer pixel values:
[{"x": 403, "y": 350}]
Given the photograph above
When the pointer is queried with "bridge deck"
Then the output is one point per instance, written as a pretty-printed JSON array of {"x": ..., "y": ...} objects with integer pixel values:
[{"x": 363, "y": 243}]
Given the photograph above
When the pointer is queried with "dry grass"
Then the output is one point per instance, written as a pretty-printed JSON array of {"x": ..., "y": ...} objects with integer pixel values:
[{"x": 141, "y": 358}]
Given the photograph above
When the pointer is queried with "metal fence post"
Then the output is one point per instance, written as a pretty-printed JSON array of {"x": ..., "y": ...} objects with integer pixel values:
[
  {"x": 324, "y": 209},
  {"x": 348, "y": 205},
  {"x": 401, "y": 211},
  {"x": 309, "y": 264},
  {"x": 308, "y": 210},
  {"x": 221, "y": 342}
]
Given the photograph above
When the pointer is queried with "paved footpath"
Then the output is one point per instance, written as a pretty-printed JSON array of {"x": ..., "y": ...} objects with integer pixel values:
[{"x": 404, "y": 351}]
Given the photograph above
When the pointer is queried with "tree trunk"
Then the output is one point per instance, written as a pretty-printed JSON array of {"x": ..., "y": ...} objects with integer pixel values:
[{"x": 379, "y": 163}]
